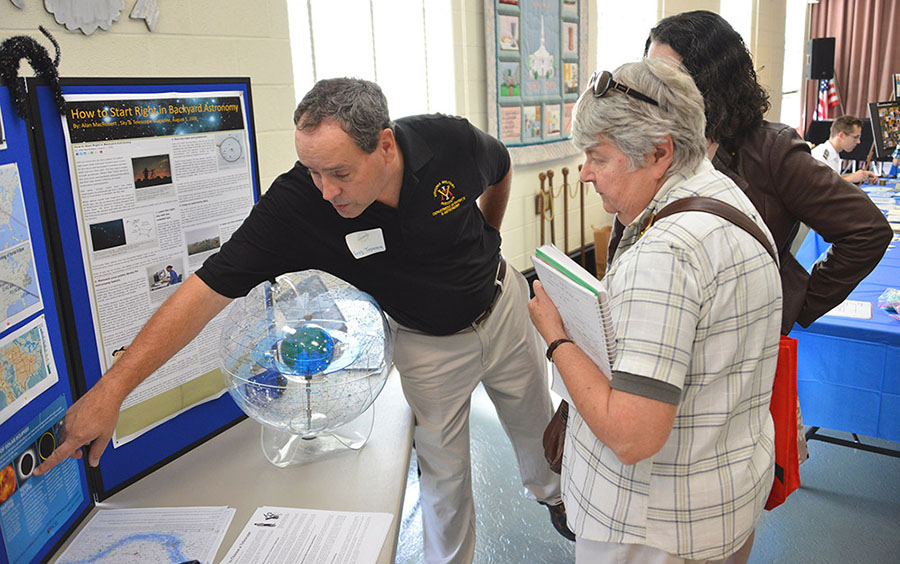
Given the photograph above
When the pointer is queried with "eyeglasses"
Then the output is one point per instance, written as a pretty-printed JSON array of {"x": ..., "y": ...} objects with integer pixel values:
[{"x": 601, "y": 83}]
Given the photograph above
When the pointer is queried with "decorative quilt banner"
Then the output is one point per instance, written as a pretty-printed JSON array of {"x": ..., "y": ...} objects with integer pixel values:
[{"x": 536, "y": 58}]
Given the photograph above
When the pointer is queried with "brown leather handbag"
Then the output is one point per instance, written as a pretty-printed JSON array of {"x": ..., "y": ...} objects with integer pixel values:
[
  {"x": 555, "y": 432},
  {"x": 555, "y": 437}
]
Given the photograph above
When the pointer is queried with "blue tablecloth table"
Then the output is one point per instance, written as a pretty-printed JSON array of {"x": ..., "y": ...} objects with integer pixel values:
[{"x": 848, "y": 370}]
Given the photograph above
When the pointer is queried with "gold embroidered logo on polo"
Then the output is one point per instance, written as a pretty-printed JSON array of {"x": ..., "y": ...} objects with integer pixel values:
[{"x": 443, "y": 193}]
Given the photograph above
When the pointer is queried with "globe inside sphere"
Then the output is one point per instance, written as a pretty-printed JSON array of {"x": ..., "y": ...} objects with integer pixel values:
[
  {"x": 305, "y": 354},
  {"x": 309, "y": 350},
  {"x": 264, "y": 387}
]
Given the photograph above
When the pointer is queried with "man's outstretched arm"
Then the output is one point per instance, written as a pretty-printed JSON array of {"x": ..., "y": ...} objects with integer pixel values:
[{"x": 92, "y": 419}]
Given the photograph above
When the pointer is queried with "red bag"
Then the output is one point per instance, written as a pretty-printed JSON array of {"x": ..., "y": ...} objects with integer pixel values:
[{"x": 784, "y": 413}]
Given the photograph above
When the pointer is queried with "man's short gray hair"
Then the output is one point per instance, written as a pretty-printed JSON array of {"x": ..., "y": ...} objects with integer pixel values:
[
  {"x": 357, "y": 105},
  {"x": 637, "y": 127}
]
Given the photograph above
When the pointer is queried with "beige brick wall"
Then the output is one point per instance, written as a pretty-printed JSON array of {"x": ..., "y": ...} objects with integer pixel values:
[
  {"x": 672, "y": 7},
  {"x": 199, "y": 38},
  {"x": 766, "y": 41},
  {"x": 768, "y": 51}
]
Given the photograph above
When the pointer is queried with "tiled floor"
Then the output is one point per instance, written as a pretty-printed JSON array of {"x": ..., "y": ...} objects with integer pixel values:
[{"x": 846, "y": 512}]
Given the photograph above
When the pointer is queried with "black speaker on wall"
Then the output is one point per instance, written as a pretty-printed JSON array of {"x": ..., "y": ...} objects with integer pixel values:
[{"x": 820, "y": 58}]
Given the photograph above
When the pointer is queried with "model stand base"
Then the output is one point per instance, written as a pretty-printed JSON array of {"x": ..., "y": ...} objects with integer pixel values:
[{"x": 283, "y": 448}]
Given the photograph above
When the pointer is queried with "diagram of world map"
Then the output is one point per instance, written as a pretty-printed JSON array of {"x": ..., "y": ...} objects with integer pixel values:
[
  {"x": 23, "y": 366},
  {"x": 24, "y": 361},
  {"x": 19, "y": 293}
]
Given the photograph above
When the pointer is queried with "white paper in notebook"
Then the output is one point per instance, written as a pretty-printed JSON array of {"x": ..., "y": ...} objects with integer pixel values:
[{"x": 582, "y": 302}]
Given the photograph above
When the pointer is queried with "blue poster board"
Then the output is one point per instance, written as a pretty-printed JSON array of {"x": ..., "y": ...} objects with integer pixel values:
[
  {"x": 122, "y": 466},
  {"x": 36, "y": 512}
]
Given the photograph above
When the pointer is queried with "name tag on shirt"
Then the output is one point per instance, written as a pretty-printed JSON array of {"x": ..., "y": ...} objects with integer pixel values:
[{"x": 365, "y": 243}]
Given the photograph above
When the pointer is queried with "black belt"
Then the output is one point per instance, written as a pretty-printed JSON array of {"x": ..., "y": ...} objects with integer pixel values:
[{"x": 498, "y": 287}]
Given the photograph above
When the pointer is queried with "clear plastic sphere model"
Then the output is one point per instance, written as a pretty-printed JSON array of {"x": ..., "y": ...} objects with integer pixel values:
[{"x": 306, "y": 357}]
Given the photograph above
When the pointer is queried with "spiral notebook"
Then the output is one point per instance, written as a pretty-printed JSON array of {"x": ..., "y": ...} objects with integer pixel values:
[{"x": 583, "y": 303}]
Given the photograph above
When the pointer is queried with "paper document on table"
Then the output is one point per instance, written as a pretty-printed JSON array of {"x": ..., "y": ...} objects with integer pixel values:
[
  {"x": 853, "y": 309},
  {"x": 170, "y": 534},
  {"x": 309, "y": 536},
  {"x": 582, "y": 302}
]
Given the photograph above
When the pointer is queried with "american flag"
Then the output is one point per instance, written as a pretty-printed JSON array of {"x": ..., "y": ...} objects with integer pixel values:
[{"x": 828, "y": 98}]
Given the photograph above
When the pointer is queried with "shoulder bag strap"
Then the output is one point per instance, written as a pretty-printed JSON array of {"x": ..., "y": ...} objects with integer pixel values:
[{"x": 721, "y": 209}]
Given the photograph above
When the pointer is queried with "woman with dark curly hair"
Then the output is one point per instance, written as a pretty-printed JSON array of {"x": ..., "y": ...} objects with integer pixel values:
[
  {"x": 774, "y": 167},
  {"x": 715, "y": 56}
]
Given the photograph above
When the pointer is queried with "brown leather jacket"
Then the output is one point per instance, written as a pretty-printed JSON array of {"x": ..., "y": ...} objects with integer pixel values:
[{"x": 787, "y": 185}]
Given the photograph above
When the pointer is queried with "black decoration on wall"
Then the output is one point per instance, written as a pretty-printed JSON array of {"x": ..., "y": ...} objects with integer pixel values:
[{"x": 19, "y": 47}]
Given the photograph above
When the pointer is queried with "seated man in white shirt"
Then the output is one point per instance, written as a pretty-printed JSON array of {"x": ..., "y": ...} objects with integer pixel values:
[{"x": 845, "y": 134}]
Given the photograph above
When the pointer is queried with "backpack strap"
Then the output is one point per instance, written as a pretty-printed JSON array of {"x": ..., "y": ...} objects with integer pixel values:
[{"x": 721, "y": 209}]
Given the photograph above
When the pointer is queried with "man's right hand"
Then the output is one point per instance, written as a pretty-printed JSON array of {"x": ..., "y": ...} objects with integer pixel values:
[
  {"x": 89, "y": 422},
  {"x": 861, "y": 176},
  {"x": 92, "y": 419}
]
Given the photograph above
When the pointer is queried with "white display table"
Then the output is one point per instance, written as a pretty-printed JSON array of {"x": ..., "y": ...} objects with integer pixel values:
[{"x": 231, "y": 470}]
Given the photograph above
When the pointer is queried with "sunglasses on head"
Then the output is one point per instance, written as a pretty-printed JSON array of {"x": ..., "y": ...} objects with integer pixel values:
[{"x": 601, "y": 83}]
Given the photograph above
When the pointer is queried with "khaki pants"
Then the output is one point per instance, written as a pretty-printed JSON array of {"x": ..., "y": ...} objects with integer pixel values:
[{"x": 505, "y": 354}]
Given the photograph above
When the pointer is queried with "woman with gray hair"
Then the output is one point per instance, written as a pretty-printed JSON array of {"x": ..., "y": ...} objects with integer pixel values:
[{"x": 669, "y": 458}]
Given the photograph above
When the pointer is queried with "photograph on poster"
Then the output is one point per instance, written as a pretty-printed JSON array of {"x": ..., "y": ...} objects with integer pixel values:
[
  {"x": 153, "y": 170},
  {"x": 48, "y": 441},
  {"x": 230, "y": 152},
  {"x": 509, "y": 79},
  {"x": 117, "y": 352},
  {"x": 25, "y": 464},
  {"x": 8, "y": 484},
  {"x": 508, "y": 33},
  {"x": 202, "y": 240},
  {"x": 164, "y": 274},
  {"x": 107, "y": 235}
]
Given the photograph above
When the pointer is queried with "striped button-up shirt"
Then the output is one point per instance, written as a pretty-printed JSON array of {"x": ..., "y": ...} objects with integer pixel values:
[{"x": 697, "y": 304}]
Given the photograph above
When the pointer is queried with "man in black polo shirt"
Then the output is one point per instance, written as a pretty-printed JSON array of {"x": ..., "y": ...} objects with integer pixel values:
[{"x": 390, "y": 208}]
